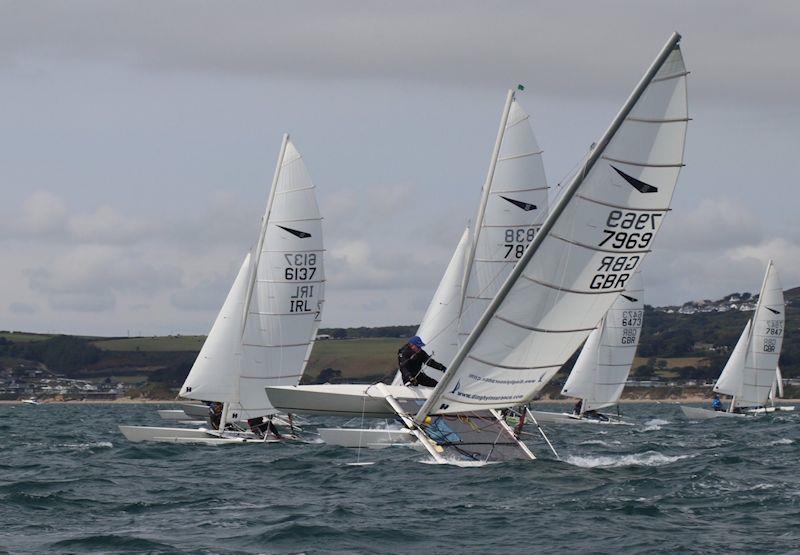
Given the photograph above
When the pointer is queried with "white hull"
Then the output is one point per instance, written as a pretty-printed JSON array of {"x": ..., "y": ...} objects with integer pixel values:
[
  {"x": 342, "y": 399},
  {"x": 569, "y": 418},
  {"x": 370, "y": 438},
  {"x": 696, "y": 413},
  {"x": 770, "y": 410},
  {"x": 174, "y": 415},
  {"x": 138, "y": 434},
  {"x": 195, "y": 410}
]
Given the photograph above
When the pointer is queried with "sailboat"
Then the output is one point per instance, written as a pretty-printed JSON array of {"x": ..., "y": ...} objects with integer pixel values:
[
  {"x": 513, "y": 199},
  {"x": 266, "y": 327},
  {"x": 751, "y": 375},
  {"x": 567, "y": 278},
  {"x": 603, "y": 365}
]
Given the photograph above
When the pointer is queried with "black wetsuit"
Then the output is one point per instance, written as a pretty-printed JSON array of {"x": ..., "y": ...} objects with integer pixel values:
[{"x": 410, "y": 363}]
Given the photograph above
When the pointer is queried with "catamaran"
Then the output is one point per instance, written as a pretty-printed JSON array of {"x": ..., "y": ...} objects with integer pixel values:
[
  {"x": 603, "y": 365},
  {"x": 751, "y": 375},
  {"x": 266, "y": 327},
  {"x": 513, "y": 201},
  {"x": 566, "y": 279}
]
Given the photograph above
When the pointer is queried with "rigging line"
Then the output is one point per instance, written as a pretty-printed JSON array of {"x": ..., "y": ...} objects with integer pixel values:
[{"x": 541, "y": 431}]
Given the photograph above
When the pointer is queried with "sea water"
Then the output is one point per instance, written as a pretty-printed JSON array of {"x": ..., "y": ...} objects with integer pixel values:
[{"x": 70, "y": 482}]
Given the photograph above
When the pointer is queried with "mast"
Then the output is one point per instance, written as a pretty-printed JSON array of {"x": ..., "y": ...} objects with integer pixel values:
[
  {"x": 487, "y": 186},
  {"x": 548, "y": 224},
  {"x": 255, "y": 259}
]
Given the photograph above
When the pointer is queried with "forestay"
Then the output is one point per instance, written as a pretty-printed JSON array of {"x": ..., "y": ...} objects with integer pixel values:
[
  {"x": 283, "y": 294},
  {"x": 589, "y": 246},
  {"x": 603, "y": 365},
  {"x": 513, "y": 205}
]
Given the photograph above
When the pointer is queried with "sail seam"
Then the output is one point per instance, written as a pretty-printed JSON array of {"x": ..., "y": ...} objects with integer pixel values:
[
  {"x": 295, "y": 190},
  {"x": 283, "y": 221},
  {"x": 642, "y": 164},
  {"x": 506, "y": 191},
  {"x": 309, "y": 313},
  {"x": 668, "y": 77},
  {"x": 542, "y": 330},
  {"x": 507, "y": 367},
  {"x": 651, "y": 120},
  {"x": 523, "y": 155},
  {"x": 623, "y": 207},
  {"x": 566, "y": 290},
  {"x": 276, "y": 346},
  {"x": 593, "y": 248}
]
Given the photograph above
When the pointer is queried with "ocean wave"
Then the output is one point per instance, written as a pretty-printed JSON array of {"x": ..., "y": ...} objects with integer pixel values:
[
  {"x": 648, "y": 458},
  {"x": 85, "y": 446}
]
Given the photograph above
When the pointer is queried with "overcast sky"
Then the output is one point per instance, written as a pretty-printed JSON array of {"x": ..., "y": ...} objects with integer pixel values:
[{"x": 138, "y": 141}]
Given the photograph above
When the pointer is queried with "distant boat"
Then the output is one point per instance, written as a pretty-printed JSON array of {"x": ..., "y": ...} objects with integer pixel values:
[
  {"x": 30, "y": 401},
  {"x": 603, "y": 365},
  {"x": 266, "y": 327},
  {"x": 752, "y": 376}
]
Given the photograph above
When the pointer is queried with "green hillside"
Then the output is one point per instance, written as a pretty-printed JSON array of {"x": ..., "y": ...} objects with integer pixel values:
[{"x": 673, "y": 346}]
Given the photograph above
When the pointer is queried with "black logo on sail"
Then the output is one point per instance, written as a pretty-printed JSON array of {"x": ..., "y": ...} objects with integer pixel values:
[
  {"x": 640, "y": 186},
  {"x": 526, "y": 206},
  {"x": 631, "y": 299},
  {"x": 772, "y": 310},
  {"x": 296, "y": 232}
]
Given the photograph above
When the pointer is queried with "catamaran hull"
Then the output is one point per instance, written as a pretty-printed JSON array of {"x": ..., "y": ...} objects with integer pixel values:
[
  {"x": 347, "y": 400},
  {"x": 175, "y": 415},
  {"x": 696, "y": 413},
  {"x": 370, "y": 438},
  {"x": 569, "y": 418},
  {"x": 138, "y": 434},
  {"x": 195, "y": 410}
]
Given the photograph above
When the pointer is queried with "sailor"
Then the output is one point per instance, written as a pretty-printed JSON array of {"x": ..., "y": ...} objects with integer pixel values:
[
  {"x": 716, "y": 404},
  {"x": 215, "y": 414},
  {"x": 577, "y": 408},
  {"x": 410, "y": 359}
]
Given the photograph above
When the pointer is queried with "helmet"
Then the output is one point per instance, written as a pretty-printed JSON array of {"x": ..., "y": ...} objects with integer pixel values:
[{"x": 417, "y": 340}]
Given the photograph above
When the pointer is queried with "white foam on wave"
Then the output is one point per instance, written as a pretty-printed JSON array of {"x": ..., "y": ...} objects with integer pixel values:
[
  {"x": 600, "y": 442},
  {"x": 654, "y": 424},
  {"x": 648, "y": 458},
  {"x": 781, "y": 441},
  {"x": 94, "y": 445}
]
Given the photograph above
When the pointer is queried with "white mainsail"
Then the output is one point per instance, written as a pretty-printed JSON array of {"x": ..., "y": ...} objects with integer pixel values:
[
  {"x": 603, "y": 365},
  {"x": 752, "y": 369},
  {"x": 278, "y": 295},
  {"x": 594, "y": 238},
  {"x": 513, "y": 205}
]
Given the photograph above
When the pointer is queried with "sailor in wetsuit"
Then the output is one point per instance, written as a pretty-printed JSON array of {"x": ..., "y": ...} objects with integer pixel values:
[
  {"x": 716, "y": 404},
  {"x": 410, "y": 359}
]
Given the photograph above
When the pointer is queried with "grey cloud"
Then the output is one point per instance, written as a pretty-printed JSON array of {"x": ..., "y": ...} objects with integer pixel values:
[
  {"x": 23, "y": 308},
  {"x": 98, "y": 301},
  {"x": 206, "y": 295},
  {"x": 736, "y": 44}
]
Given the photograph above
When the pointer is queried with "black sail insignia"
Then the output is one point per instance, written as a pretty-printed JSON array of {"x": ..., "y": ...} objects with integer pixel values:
[
  {"x": 640, "y": 186},
  {"x": 772, "y": 310},
  {"x": 296, "y": 232},
  {"x": 526, "y": 206},
  {"x": 631, "y": 299}
]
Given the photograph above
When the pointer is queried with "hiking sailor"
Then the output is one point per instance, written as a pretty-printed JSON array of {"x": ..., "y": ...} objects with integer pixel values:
[{"x": 410, "y": 359}]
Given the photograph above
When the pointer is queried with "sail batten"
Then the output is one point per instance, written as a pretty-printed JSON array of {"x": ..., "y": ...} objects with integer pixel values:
[{"x": 466, "y": 386}]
